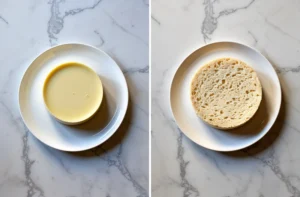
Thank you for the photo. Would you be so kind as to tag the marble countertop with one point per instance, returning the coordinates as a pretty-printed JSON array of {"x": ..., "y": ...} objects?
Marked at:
[
  {"x": 271, "y": 167},
  {"x": 120, "y": 166}
]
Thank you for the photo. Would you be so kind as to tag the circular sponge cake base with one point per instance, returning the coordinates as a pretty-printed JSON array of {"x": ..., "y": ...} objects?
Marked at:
[{"x": 226, "y": 93}]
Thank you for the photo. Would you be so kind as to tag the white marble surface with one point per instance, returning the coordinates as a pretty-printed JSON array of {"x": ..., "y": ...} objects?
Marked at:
[
  {"x": 29, "y": 168},
  {"x": 270, "y": 168}
]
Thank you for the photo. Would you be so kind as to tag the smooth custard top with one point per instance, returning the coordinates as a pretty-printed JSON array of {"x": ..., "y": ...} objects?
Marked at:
[{"x": 72, "y": 92}]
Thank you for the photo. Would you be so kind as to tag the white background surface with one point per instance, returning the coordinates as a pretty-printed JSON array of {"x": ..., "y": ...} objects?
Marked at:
[
  {"x": 119, "y": 167},
  {"x": 181, "y": 167}
]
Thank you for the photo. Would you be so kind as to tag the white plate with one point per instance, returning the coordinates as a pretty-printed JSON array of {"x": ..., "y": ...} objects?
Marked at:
[
  {"x": 87, "y": 135},
  {"x": 194, "y": 128}
]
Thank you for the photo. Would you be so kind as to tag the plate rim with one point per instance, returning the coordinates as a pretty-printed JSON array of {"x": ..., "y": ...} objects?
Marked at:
[
  {"x": 228, "y": 42},
  {"x": 106, "y": 136}
]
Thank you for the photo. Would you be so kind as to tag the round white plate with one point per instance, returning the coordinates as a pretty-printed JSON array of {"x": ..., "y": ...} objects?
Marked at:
[
  {"x": 87, "y": 135},
  {"x": 194, "y": 128}
]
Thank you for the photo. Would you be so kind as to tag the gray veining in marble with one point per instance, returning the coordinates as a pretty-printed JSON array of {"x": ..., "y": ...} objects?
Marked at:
[
  {"x": 137, "y": 70},
  {"x": 155, "y": 19},
  {"x": 210, "y": 22},
  {"x": 33, "y": 188},
  {"x": 125, "y": 30},
  {"x": 254, "y": 37},
  {"x": 3, "y": 20},
  {"x": 277, "y": 28},
  {"x": 117, "y": 162},
  {"x": 188, "y": 188},
  {"x": 289, "y": 69},
  {"x": 119, "y": 167},
  {"x": 56, "y": 21},
  {"x": 102, "y": 41}
]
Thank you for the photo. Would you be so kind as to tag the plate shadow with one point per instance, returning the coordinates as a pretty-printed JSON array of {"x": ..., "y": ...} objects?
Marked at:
[{"x": 255, "y": 124}]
